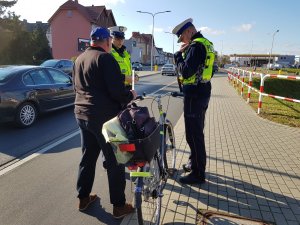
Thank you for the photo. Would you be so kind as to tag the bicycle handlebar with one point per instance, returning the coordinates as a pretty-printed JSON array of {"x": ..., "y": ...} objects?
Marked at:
[{"x": 173, "y": 94}]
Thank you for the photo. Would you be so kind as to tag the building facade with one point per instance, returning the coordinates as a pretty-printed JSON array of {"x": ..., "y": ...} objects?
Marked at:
[
  {"x": 143, "y": 43},
  {"x": 70, "y": 27},
  {"x": 262, "y": 59}
]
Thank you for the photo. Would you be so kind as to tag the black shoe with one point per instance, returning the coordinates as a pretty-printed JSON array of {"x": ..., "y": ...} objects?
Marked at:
[
  {"x": 187, "y": 167},
  {"x": 192, "y": 179},
  {"x": 104, "y": 165}
]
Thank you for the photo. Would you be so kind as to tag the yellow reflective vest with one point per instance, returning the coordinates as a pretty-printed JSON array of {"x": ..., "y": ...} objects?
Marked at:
[
  {"x": 207, "y": 69},
  {"x": 124, "y": 62}
]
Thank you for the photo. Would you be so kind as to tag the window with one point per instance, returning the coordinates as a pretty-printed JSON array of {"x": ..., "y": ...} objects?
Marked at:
[
  {"x": 83, "y": 44},
  {"x": 40, "y": 77},
  {"x": 69, "y": 13},
  {"x": 28, "y": 80},
  {"x": 59, "y": 77},
  {"x": 134, "y": 44},
  {"x": 69, "y": 63}
]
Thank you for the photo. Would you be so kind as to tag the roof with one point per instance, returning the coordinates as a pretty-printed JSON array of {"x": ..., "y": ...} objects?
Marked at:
[
  {"x": 253, "y": 55},
  {"x": 145, "y": 37},
  {"x": 91, "y": 13}
]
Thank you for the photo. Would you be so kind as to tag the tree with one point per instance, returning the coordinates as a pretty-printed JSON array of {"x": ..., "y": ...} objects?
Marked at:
[
  {"x": 41, "y": 49},
  {"x": 19, "y": 46},
  {"x": 6, "y": 4},
  {"x": 224, "y": 59}
]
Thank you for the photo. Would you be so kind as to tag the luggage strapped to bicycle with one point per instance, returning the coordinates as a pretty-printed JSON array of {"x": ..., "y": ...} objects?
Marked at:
[{"x": 133, "y": 135}]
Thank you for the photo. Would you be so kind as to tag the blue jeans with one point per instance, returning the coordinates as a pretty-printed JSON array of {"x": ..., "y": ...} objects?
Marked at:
[{"x": 92, "y": 142}]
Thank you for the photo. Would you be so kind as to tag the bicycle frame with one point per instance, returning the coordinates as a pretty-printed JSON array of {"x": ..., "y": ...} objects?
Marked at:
[{"x": 152, "y": 177}]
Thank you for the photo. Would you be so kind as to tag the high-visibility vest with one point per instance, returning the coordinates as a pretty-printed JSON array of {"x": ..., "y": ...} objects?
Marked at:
[
  {"x": 124, "y": 63},
  {"x": 207, "y": 69}
]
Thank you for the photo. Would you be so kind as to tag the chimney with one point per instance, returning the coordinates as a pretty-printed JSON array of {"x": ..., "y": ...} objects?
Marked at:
[{"x": 76, "y": 1}]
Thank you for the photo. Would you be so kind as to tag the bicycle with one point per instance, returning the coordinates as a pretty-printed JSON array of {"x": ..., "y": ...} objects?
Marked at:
[{"x": 150, "y": 178}]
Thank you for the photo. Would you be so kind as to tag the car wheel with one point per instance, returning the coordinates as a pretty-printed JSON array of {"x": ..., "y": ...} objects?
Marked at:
[{"x": 26, "y": 115}]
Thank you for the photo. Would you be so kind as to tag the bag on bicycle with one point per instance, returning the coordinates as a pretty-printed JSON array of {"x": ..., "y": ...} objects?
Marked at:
[{"x": 136, "y": 122}]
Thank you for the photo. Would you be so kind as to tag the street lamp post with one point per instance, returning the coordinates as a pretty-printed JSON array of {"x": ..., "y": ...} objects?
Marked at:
[
  {"x": 153, "y": 15},
  {"x": 272, "y": 48},
  {"x": 173, "y": 39}
]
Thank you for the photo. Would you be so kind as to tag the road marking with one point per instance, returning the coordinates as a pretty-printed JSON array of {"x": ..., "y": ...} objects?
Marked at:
[
  {"x": 43, "y": 150},
  {"x": 163, "y": 87},
  {"x": 49, "y": 147}
]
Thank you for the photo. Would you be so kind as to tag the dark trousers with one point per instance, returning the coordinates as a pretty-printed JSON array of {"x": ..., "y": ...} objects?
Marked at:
[
  {"x": 93, "y": 142},
  {"x": 194, "y": 117}
]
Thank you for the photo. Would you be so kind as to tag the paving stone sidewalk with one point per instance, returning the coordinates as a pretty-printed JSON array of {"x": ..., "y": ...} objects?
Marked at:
[{"x": 253, "y": 166}]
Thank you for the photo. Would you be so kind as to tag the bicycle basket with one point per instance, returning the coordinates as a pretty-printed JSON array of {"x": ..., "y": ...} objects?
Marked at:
[{"x": 143, "y": 149}]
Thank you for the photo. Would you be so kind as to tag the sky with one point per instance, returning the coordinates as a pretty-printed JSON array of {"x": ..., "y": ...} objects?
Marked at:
[{"x": 234, "y": 26}]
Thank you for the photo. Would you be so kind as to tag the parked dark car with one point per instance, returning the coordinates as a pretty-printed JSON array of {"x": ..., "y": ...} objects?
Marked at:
[
  {"x": 215, "y": 68},
  {"x": 27, "y": 91},
  {"x": 64, "y": 65},
  {"x": 137, "y": 66}
]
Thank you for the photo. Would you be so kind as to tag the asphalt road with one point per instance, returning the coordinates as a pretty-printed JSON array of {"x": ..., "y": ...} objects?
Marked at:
[{"x": 42, "y": 190}]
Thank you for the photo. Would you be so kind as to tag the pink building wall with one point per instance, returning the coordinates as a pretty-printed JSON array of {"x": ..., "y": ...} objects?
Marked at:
[{"x": 66, "y": 27}]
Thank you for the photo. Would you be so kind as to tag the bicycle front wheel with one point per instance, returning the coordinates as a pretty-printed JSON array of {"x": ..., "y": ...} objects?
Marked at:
[
  {"x": 170, "y": 148},
  {"x": 148, "y": 195}
]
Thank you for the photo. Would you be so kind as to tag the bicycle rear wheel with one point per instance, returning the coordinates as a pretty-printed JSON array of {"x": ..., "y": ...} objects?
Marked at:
[
  {"x": 148, "y": 195},
  {"x": 170, "y": 148}
]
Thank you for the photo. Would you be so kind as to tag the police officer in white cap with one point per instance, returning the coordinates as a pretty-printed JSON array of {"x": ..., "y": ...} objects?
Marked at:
[
  {"x": 194, "y": 62},
  {"x": 120, "y": 53}
]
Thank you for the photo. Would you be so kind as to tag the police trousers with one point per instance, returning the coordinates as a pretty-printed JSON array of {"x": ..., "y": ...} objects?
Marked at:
[
  {"x": 194, "y": 117},
  {"x": 92, "y": 142}
]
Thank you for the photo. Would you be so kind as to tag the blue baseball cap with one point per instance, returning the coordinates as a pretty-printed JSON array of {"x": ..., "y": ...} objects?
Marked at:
[{"x": 99, "y": 33}]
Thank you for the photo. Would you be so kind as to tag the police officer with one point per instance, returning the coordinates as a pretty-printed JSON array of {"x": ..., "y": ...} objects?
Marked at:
[
  {"x": 120, "y": 53},
  {"x": 194, "y": 61}
]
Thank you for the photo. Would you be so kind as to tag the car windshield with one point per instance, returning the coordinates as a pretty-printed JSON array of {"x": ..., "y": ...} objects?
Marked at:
[
  {"x": 6, "y": 74},
  {"x": 168, "y": 65},
  {"x": 49, "y": 63},
  {"x": 136, "y": 64}
]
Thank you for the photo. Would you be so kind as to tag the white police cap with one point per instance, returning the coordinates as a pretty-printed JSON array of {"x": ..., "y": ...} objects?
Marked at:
[
  {"x": 178, "y": 30},
  {"x": 117, "y": 29}
]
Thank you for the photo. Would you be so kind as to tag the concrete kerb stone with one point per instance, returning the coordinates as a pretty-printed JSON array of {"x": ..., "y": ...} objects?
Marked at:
[{"x": 147, "y": 73}]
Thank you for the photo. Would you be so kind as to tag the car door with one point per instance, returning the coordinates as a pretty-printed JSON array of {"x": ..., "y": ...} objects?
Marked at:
[
  {"x": 41, "y": 89},
  {"x": 65, "y": 94}
]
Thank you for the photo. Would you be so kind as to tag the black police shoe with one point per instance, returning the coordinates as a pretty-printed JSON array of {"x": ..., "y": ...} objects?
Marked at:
[
  {"x": 187, "y": 167},
  {"x": 192, "y": 179},
  {"x": 104, "y": 165}
]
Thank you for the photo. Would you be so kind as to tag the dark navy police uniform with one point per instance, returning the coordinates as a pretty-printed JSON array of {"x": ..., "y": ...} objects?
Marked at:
[{"x": 196, "y": 99}]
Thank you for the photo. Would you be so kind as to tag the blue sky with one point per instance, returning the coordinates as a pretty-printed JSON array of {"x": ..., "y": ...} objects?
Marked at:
[{"x": 234, "y": 26}]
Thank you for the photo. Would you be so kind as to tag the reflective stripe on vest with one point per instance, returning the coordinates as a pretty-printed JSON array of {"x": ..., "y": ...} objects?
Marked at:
[
  {"x": 208, "y": 65},
  {"x": 124, "y": 63}
]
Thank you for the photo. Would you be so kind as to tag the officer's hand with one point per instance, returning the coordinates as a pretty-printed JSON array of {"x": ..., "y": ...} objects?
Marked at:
[
  {"x": 136, "y": 77},
  {"x": 134, "y": 94},
  {"x": 128, "y": 79},
  {"x": 183, "y": 47}
]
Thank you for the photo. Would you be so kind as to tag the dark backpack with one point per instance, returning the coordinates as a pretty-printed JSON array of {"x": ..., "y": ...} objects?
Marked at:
[{"x": 136, "y": 122}]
